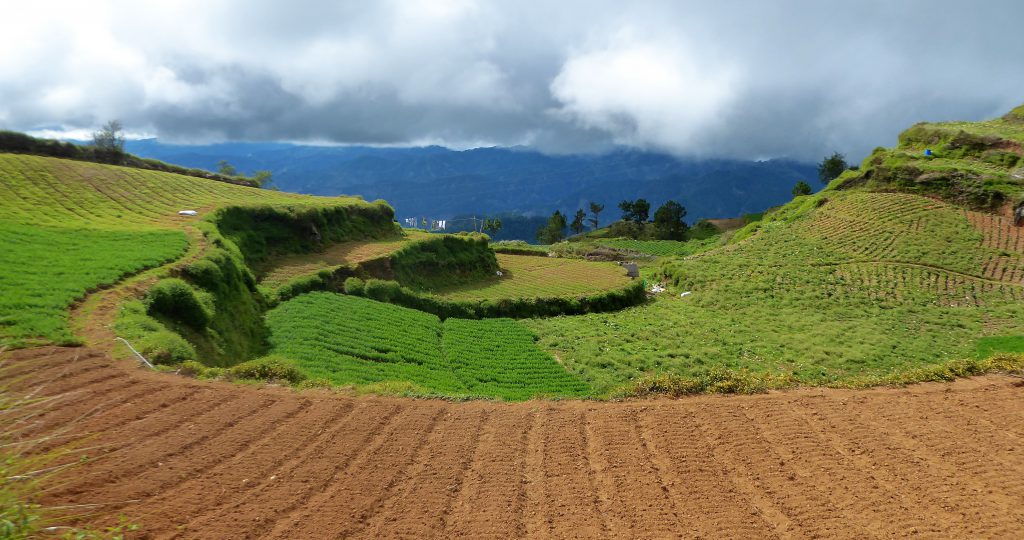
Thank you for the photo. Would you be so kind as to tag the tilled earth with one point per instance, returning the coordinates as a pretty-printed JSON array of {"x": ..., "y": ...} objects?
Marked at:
[{"x": 189, "y": 459}]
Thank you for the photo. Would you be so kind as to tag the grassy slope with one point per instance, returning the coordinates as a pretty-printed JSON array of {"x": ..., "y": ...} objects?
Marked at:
[
  {"x": 975, "y": 164},
  {"x": 283, "y": 269},
  {"x": 661, "y": 248},
  {"x": 350, "y": 340},
  {"x": 866, "y": 284},
  {"x": 71, "y": 226}
]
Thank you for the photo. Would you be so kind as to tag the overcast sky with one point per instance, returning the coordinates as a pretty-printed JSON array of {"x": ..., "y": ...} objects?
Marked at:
[{"x": 752, "y": 79}]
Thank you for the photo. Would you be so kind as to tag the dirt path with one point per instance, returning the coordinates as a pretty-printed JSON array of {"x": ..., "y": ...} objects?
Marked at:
[
  {"x": 92, "y": 318},
  {"x": 188, "y": 459}
]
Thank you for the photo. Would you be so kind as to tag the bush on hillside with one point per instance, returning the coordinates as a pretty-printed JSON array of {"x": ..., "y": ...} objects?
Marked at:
[
  {"x": 354, "y": 286},
  {"x": 151, "y": 338},
  {"x": 381, "y": 290},
  {"x": 319, "y": 281},
  {"x": 177, "y": 300},
  {"x": 191, "y": 368}
]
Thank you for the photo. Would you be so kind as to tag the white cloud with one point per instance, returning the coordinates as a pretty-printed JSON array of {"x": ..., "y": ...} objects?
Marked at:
[
  {"x": 791, "y": 77},
  {"x": 645, "y": 92}
]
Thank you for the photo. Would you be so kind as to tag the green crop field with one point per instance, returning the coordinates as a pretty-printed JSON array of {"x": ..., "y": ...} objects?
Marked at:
[
  {"x": 70, "y": 226},
  {"x": 42, "y": 269},
  {"x": 528, "y": 276},
  {"x": 49, "y": 191},
  {"x": 866, "y": 284},
  {"x": 350, "y": 340}
]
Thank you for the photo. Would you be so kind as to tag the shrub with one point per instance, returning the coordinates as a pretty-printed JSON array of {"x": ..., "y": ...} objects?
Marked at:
[
  {"x": 268, "y": 368},
  {"x": 381, "y": 290},
  {"x": 316, "y": 282},
  {"x": 192, "y": 368},
  {"x": 354, "y": 286},
  {"x": 165, "y": 347},
  {"x": 205, "y": 273},
  {"x": 176, "y": 299}
]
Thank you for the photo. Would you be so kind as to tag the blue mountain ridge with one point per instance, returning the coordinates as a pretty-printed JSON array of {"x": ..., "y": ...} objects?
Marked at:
[{"x": 441, "y": 183}]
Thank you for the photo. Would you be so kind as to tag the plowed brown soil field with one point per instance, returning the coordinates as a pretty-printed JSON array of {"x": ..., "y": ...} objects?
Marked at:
[{"x": 189, "y": 459}]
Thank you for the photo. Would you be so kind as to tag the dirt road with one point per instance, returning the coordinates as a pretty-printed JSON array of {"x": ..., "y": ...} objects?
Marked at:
[{"x": 188, "y": 459}]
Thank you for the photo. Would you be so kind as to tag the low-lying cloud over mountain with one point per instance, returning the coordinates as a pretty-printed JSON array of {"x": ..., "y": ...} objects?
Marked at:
[{"x": 739, "y": 79}]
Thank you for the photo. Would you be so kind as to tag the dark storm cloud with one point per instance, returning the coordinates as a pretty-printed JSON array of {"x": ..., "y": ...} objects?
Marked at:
[{"x": 756, "y": 79}]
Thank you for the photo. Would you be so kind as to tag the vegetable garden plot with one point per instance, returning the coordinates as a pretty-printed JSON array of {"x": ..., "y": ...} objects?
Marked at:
[
  {"x": 49, "y": 191},
  {"x": 860, "y": 227},
  {"x": 499, "y": 357},
  {"x": 44, "y": 269},
  {"x": 352, "y": 340}
]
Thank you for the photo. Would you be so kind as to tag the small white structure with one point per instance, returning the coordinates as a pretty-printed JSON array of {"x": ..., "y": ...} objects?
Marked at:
[
  {"x": 187, "y": 213},
  {"x": 685, "y": 294}
]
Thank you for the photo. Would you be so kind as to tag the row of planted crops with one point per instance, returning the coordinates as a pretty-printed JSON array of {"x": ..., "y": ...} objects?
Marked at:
[{"x": 346, "y": 340}]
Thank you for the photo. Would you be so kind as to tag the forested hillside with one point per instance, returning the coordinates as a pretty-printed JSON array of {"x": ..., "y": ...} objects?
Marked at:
[{"x": 439, "y": 183}]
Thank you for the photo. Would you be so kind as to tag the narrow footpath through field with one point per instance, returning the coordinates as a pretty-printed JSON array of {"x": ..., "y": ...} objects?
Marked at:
[{"x": 189, "y": 459}]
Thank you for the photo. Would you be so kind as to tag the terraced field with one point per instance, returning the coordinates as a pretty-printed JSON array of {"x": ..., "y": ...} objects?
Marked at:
[
  {"x": 867, "y": 284},
  {"x": 187, "y": 459},
  {"x": 70, "y": 227},
  {"x": 43, "y": 269},
  {"x": 1006, "y": 261},
  {"x": 48, "y": 191},
  {"x": 283, "y": 269},
  {"x": 527, "y": 276},
  {"x": 347, "y": 340}
]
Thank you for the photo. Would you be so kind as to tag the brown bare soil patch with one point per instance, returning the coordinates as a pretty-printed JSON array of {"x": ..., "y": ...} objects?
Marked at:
[
  {"x": 188, "y": 459},
  {"x": 728, "y": 224}
]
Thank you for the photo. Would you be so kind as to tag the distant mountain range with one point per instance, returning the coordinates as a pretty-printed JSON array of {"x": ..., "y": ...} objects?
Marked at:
[{"x": 440, "y": 183}]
